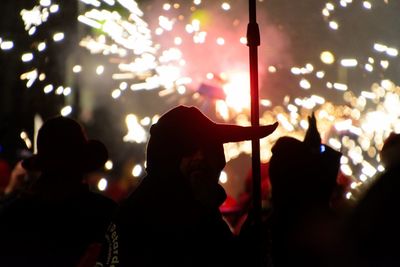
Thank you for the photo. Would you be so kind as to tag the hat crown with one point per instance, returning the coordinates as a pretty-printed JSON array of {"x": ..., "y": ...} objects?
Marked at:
[{"x": 60, "y": 135}]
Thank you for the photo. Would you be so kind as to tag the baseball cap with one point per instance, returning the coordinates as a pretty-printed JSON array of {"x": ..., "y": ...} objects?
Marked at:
[{"x": 182, "y": 129}]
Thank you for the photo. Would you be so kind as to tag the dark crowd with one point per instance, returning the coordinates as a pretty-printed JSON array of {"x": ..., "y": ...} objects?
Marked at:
[{"x": 177, "y": 215}]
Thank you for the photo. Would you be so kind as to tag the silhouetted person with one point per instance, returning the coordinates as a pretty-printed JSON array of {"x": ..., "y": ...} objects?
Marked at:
[
  {"x": 303, "y": 176},
  {"x": 375, "y": 223},
  {"x": 173, "y": 217},
  {"x": 58, "y": 218}
]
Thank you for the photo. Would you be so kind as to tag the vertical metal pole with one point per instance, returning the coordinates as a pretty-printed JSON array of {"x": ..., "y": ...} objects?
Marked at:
[{"x": 253, "y": 41}]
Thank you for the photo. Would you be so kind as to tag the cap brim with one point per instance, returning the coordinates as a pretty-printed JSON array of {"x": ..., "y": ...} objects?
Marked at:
[{"x": 233, "y": 133}]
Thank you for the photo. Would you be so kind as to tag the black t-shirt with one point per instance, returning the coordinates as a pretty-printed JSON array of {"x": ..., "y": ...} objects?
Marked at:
[
  {"x": 38, "y": 232},
  {"x": 159, "y": 225}
]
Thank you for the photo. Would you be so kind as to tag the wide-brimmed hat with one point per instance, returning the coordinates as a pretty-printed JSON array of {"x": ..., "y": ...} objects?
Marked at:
[
  {"x": 62, "y": 145},
  {"x": 185, "y": 128}
]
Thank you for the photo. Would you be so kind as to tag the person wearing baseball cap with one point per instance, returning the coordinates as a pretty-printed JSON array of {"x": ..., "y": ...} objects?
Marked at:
[{"x": 173, "y": 217}]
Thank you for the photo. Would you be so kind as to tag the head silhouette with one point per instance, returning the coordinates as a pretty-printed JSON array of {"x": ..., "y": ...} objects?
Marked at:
[
  {"x": 62, "y": 146},
  {"x": 183, "y": 130},
  {"x": 301, "y": 174}
]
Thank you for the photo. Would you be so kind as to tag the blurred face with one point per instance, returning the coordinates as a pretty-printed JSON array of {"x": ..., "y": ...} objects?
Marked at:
[{"x": 202, "y": 169}]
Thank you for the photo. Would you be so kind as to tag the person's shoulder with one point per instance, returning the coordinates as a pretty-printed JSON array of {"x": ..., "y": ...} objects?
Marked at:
[
  {"x": 387, "y": 181},
  {"x": 99, "y": 198},
  {"x": 100, "y": 202},
  {"x": 149, "y": 190},
  {"x": 17, "y": 202},
  {"x": 141, "y": 203},
  {"x": 128, "y": 208}
]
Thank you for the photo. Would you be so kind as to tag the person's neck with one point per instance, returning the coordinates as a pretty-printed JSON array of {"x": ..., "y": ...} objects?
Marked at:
[{"x": 58, "y": 186}]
